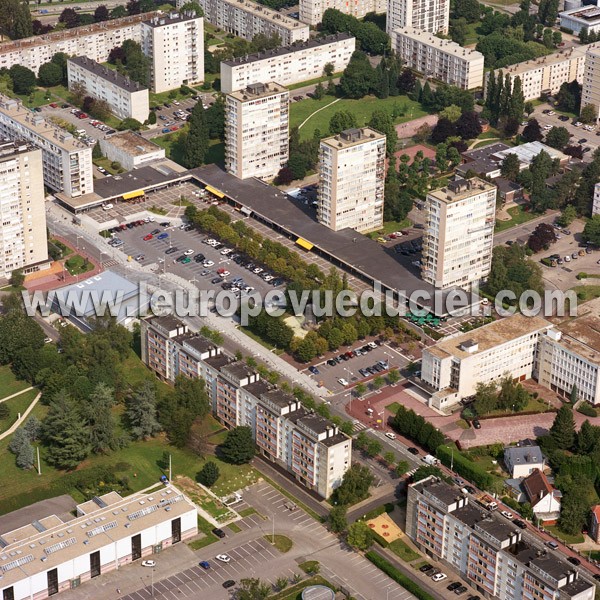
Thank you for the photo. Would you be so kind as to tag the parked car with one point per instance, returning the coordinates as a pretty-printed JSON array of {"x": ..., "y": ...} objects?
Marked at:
[
  {"x": 451, "y": 587},
  {"x": 224, "y": 558},
  {"x": 204, "y": 564},
  {"x": 162, "y": 236},
  {"x": 413, "y": 451},
  {"x": 148, "y": 563},
  {"x": 342, "y": 381},
  {"x": 313, "y": 370},
  {"x": 228, "y": 584},
  {"x": 439, "y": 577},
  {"x": 172, "y": 250},
  {"x": 574, "y": 560},
  {"x": 425, "y": 568},
  {"x": 219, "y": 532},
  {"x": 476, "y": 424},
  {"x": 148, "y": 237}
]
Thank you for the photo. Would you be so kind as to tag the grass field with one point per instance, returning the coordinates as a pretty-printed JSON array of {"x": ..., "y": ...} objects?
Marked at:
[
  {"x": 587, "y": 292},
  {"x": 569, "y": 539},
  {"x": 390, "y": 227},
  {"x": 209, "y": 538},
  {"x": 17, "y": 405},
  {"x": 39, "y": 97},
  {"x": 295, "y": 592},
  {"x": 362, "y": 109},
  {"x": 518, "y": 217},
  {"x": 9, "y": 385},
  {"x": 281, "y": 542},
  {"x": 393, "y": 407},
  {"x": 76, "y": 265},
  {"x": 401, "y": 549}
]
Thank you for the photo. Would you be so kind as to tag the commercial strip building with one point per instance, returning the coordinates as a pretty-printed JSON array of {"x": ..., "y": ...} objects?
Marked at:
[
  {"x": 545, "y": 75},
  {"x": 311, "y": 11},
  {"x": 246, "y": 19},
  {"x": 93, "y": 41},
  {"x": 125, "y": 98},
  {"x": 67, "y": 162},
  {"x": 23, "y": 239},
  {"x": 130, "y": 149},
  {"x": 579, "y": 18},
  {"x": 288, "y": 65},
  {"x": 430, "y": 16},
  {"x": 488, "y": 551},
  {"x": 307, "y": 445},
  {"x": 174, "y": 43},
  {"x": 352, "y": 180},
  {"x": 439, "y": 59},
  {"x": 257, "y": 131},
  {"x": 459, "y": 233},
  {"x": 50, "y": 555}
]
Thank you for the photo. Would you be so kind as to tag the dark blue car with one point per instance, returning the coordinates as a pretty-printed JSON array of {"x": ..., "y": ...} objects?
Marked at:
[
  {"x": 204, "y": 564},
  {"x": 164, "y": 235},
  {"x": 313, "y": 370}
]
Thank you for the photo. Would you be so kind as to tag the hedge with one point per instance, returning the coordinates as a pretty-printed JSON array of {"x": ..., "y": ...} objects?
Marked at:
[
  {"x": 585, "y": 409},
  {"x": 379, "y": 539},
  {"x": 397, "y": 575},
  {"x": 388, "y": 507},
  {"x": 465, "y": 467}
]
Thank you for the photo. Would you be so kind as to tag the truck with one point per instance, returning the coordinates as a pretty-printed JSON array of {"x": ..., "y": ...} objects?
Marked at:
[
  {"x": 431, "y": 460},
  {"x": 487, "y": 502}
]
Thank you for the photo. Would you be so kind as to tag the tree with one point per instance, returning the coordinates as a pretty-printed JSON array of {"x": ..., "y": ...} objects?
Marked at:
[
  {"x": 98, "y": 417},
  {"x": 357, "y": 79},
  {"x": 141, "y": 412},
  {"x": 215, "y": 119},
  {"x": 50, "y": 74},
  {"x": 383, "y": 122},
  {"x": 389, "y": 457},
  {"x": 192, "y": 7},
  {"x": 574, "y": 511},
  {"x": 319, "y": 91},
  {"x": 252, "y": 589},
  {"x": 281, "y": 583},
  {"x": 533, "y": 131},
  {"x": 568, "y": 215},
  {"x": 468, "y": 126},
  {"x": 588, "y": 114},
  {"x": 569, "y": 96},
  {"x": 459, "y": 31},
  {"x": 562, "y": 431},
  {"x": 393, "y": 376},
  {"x": 101, "y": 14},
  {"x": 541, "y": 237},
  {"x": 23, "y": 79},
  {"x": 373, "y": 447},
  {"x": 65, "y": 434},
  {"x": 360, "y": 388},
  {"x": 18, "y": 440},
  {"x": 359, "y": 535},
  {"x": 558, "y": 137},
  {"x": 355, "y": 485},
  {"x": 33, "y": 428},
  {"x": 342, "y": 120},
  {"x": 337, "y": 519},
  {"x": 130, "y": 123},
  {"x": 196, "y": 141},
  {"x": 69, "y": 17},
  {"x": 406, "y": 81},
  {"x": 402, "y": 467},
  {"x": 284, "y": 177},
  {"x": 452, "y": 113},
  {"x": 238, "y": 447},
  {"x": 591, "y": 231},
  {"x": 510, "y": 167},
  {"x": 209, "y": 474},
  {"x": 17, "y": 277},
  {"x": 25, "y": 456}
]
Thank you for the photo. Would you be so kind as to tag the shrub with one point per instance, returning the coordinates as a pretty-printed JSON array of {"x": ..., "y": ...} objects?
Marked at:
[{"x": 585, "y": 409}]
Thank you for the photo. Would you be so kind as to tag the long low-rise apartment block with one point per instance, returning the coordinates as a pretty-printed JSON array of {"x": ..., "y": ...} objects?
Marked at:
[
  {"x": 488, "y": 550},
  {"x": 125, "y": 98},
  {"x": 50, "y": 555},
  {"x": 546, "y": 74},
  {"x": 441, "y": 59},
  {"x": 296, "y": 438},
  {"x": 67, "y": 162},
  {"x": 246, "y": 19},
  {"x": 288, "y": 65},
  {"x": 94, "y": 41},
  {"x": 311, "y": 11},
  {"x": 559, "y": 356}
]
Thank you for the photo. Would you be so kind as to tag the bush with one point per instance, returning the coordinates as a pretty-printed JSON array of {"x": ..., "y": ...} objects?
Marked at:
[
  {"x": 585, "y": 409},
  {"x": 465, "y": 467}
]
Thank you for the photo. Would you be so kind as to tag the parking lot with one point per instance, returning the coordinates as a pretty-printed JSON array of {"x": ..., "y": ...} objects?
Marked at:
[{"x": 162, "y": 255}]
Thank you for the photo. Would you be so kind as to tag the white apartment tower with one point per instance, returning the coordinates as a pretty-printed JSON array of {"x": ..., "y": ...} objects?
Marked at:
[
  {"x": 459, "y": 232},
  {"x": 175, "y": 45},
  {"x": 352, "y": 179},
  {"x": 311, "y": 11},
  {"x": 590, "y": 94},
  {"x": 257, "y": 131},
  {"x": 596, "y": 200},
  {"x": 432, "y": 16},
  {"x": 23, "y": 241}
]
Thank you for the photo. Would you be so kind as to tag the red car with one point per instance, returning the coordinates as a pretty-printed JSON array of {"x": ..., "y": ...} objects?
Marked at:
[
  {"x": 148, "y": 237},
  {"x": 53, "y": 105},
  {"x": 123, "y": 227},
  {"x": 174, "y": 128},
  {"x": 82, "y": 116}
]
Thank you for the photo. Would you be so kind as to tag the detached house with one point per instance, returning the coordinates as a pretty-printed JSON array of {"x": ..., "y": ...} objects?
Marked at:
[{"x": 544, "y": 499}]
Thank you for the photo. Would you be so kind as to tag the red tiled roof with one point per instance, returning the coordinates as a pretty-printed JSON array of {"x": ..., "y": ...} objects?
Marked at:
[
  {"x": 537, "y": 486},
  {"x": 596, "y": 511}
]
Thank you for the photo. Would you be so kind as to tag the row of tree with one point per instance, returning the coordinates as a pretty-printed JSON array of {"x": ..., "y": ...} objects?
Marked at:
[
  {"x": 504, "y": 102},
  {"x": 506, "y": 395},
  {"x": 370, "y": 38}
]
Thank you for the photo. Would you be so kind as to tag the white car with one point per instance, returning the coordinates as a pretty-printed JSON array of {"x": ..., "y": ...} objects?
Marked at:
[
  {"x": 223, "y": 558},
  {"x": 258, "y": 270},
  {"x": 551, "y": 113},
  {"x": 507, "y": 514},
  {"x": 390, "y": 435},
  {"x": 226, "y": 251},
  {"x": 188, "y": 252},
  {"x": 148, "y": 563},
  {"x": 208, "y": 263},
  {"x": 439, "y": 577},
  {"x": 342, "y": 381},
  {"x": 107, "y": 207},
  {"x": 578, "y": 124}
]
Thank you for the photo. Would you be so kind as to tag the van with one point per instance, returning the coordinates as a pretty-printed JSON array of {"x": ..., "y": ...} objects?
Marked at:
[
  {"x": 81, "y": 132},
  {"x": 552, "y": 545}
]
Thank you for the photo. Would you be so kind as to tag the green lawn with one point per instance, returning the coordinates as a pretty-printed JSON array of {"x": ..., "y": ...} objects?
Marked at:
[
  {"x": 220, "y": 513},
  {"x": 472, "y": 35},
  {"x": 294, "y": 592},
  {"x": 38, "y": 96},
  {"x": 76, "y": 265},
  {"x": 569, "y": 539},
  {"x": 362, "y": 109},
  {"x": 393, "y": 407},
  {"x": 281, "y": 542},
  {"x": 8, "y": 383},
  {"x": 209, "y": 538},
  {"x": 234, "y": 527},
  {"x": 174, "y": 149},
  {"x": 518, "y": 217},
  {"x": 534, "y": 405},
  {"x": 587, "y": 292},
  {"x": 401, "y": 549},
  {"x": 321, "y": 79},
  {"x": 107, "y": 164},
  {"x": 247, "y": 512},
  {"x": 390, "y": 227},
  {"x": 17, "y": 405},
  {"x": 167, "y": 97},
  {"x": 232, "y": 477}
]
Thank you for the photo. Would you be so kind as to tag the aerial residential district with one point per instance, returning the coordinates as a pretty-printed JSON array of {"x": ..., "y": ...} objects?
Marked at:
[{"x": 300, "y": 301}]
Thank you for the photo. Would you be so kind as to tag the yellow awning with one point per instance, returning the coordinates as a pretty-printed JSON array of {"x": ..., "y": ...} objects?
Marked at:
[
  {"x": 304, "y": 244},
  {"x": 214, "y": 191},
  {"x": 131, "y": 195}
]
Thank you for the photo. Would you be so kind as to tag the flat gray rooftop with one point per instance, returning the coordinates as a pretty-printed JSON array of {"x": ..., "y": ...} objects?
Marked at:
[{"x": 61, "y": 506}]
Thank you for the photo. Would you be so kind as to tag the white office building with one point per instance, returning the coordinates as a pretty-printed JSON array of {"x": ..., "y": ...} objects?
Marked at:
[
  {"x": 94, "y": 41},
  {"x": 453, "y": 367},
  {"x": 130, "y": 149},
  {"x": 430, "y": 16},
  {"x": 311, "y": 11},
  {"x": 50, "y": 555},
  {"x": 174, "y": 43},
  {"x": 23, "y": 240},
  {"x": 246, "y": 19},
  {"x": 545, "y": 75},
  {"x": 125, "y": 98},
  {"x": 67, "y": 162},
  {"x": 440, "y": 59},
  {"x": 257, "y": 131},
  {"x": 459, "y": 233},
  {"x": 583, "y": 17},
  {"x": 352, "y": 180},
  {"x": 288, "y": 65}
]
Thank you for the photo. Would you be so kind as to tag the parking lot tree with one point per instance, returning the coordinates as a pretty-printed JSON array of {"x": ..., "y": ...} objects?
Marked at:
[
  {"x": 591, "y": 231},
  {"x": 393, "y": 376},
  {"x": 541, "y": 237},
  {"x": 360, "y": 389},
  {"x": 562, "y": 431},
  {"x": 568, "y": 215},
  {"x": 373, "y": 447},
  {"x": 209, "y": 474},
  {"x": 141, "y": 412},
  {"x": 588, "y": 114},
  {"x": 569, "y": 96},
  {"x": 129, "y": 123},
  {"x": 390, "y": 458},
  {"x": 64, "y": 433},
  {"x": 378, "y": 382},
  {"x": 252, "y": 589},
  {"x": 533, "y": 131},
  {"x": 402, "y": 467},
  {"x": 337, "y": 519},
  {"x": 151, "y": 118},
  {"x": 510, "y": 167},
  {"x": 23, "y": 79},
  {"x": 238, "y": 447},
  {"x": 359, "y": 536},
  {"x": 558, "y": 137}
]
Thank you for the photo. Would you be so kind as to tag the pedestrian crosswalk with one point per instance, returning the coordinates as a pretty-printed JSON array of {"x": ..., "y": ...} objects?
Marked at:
[
  {"x": 107, "y": 264},
  {"x": 358, "y": 426}
]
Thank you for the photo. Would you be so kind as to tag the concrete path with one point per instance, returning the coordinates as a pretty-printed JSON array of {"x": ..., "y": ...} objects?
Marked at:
[
  {"x": 16, "y": 394},
  {"x": 24, "y": 416}
]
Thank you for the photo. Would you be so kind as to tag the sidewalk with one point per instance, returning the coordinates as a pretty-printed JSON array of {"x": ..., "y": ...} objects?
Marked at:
[{"x": 24, "y": 416}]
